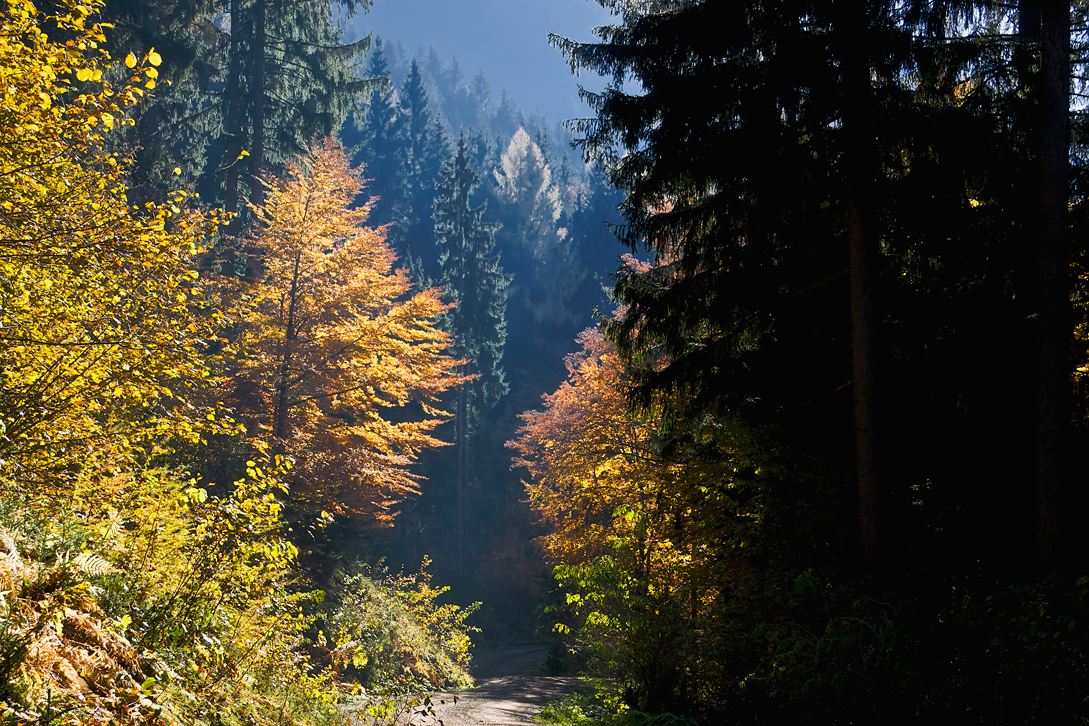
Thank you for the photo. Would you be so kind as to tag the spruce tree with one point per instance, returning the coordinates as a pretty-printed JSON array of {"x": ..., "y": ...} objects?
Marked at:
[
  {"x": 788, "y": 177},
  {"x": 480, "y": 100},
  {"x": 289, "y": 79},
  {"x": 508, "y": 117},
  {"x": 426, "y": 146},
  {"x": 382, "y": 150},
  {"x": 472, "y": 278}
]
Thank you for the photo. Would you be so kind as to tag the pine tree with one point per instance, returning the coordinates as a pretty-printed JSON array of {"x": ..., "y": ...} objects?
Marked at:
[
  {"x": 474, "y": 279},
  {"x": 290, "y": 75},
  {"x": 508, "y": 117},
  {"x": 532, "y": 210},
  {"x": 426, "y": 145},
  {"x": 804, "y": 165},
  {"x": 382, "y": 149},
  {"x": 174, "y": 128},
  {"x": 480, "y": 99}
]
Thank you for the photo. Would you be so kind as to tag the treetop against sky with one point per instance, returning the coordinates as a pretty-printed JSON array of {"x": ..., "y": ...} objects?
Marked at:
[{"x": 507, "y": 39}]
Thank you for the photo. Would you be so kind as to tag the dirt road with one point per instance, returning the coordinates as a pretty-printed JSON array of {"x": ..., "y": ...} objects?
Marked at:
[
  {"x": 505, "y": 696},
  {"x": 503, "y": 701}
]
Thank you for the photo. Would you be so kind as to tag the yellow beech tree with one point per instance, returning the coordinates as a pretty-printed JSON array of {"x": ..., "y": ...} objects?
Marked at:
[
  {"x": 336, "y": 340},
  {"x": 102, "y": 324}
]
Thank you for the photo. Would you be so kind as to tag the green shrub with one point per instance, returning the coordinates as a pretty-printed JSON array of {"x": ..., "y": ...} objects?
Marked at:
[{"x": 389, "y": 634}]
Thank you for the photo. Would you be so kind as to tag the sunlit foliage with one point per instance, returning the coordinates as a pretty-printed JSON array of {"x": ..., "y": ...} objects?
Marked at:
[
  {"x": 102, "y": 331},
  {"x": 631, "y": 530},
  {"x": 131, "y": 591},
  {"x": 335, "y": 340},
  {"x": 390, "y": 633}
]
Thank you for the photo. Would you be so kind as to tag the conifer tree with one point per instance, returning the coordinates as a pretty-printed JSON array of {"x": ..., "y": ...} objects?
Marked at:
[
  {"x": 508, "y": 117},
  {"x": 480, "y": 100},
  {"x": 382, "y": 150},
  {"x": 532, "y": 210},
  {"x": 174, "y": 128},
  {"x": 474, "y": 280},
  {"x": 291, "y": 77},
  {"x": 426, "y": 145}
]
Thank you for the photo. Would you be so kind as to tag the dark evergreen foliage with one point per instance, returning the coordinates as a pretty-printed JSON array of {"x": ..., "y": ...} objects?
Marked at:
[
  {"x": 380, "y": 147},
  {"x": 844, "y": 206},
  {"x": 474, "y": 279}
]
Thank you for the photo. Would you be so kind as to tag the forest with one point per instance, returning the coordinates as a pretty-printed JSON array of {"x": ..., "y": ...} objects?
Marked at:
[{"x": 755, "y": 394}]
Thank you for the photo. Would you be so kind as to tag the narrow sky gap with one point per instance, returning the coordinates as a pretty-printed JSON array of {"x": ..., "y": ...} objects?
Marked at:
[{"x": 508, "y": 39}]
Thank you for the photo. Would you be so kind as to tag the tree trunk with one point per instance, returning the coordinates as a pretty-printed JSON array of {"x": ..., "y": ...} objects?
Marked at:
[
  {"x": 234, "y": 119},
  {"x": 460, "y": 505},
  {"x": 1054, "y": 284},
  {"x": 257, "y": 192},
  {"x": 863, "y": 252},
  {"x": 280, "y": 423},
  {"x": 1028, "y": 20}
]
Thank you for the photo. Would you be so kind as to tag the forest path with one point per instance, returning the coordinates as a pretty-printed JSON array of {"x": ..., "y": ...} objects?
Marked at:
[
  {"x": 504, "y": 695},
  {"x": 501, "y": 701},
  {"x": 510, "y": 660}
]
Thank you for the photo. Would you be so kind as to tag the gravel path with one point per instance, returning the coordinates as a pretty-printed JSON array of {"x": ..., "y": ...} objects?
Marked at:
[
  {"x": 504, "y": 695},
  {"x": 503, "y": 701}
]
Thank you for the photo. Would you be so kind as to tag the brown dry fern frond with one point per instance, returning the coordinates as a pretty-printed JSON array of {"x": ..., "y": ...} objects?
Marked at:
[
  {"x": 82, "y": 628},
  {"x": 47, "y": 656}
]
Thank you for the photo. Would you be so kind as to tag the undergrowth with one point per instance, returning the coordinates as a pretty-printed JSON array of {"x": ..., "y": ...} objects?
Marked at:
[
  {"x": 148, "y": 600},
  {"x": 598, "y": 704}
]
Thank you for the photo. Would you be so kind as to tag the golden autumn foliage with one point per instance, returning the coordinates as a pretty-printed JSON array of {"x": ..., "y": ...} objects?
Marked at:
[
  {"x": 130, "y": 594},
  {"x": 101, "y": 323},
  {"x": 388, "y": 628},
  {"x": 588, "y": 456},
  {"x": 631, "y": 531},
  {"x": 130, "y": 591},
  {"x": 143, "y": 599},
  {"x": 335, "y": 340}
]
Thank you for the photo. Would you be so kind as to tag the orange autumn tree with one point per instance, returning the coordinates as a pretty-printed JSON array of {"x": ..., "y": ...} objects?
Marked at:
[
  {"x": 336, "y": 340},
  {"x": 588, "y": 457},
  {"x": 630, "y": 529}
]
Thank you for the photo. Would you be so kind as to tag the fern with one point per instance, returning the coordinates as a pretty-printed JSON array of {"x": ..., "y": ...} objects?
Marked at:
[
  {"x": 92, "y": 564},
  {"x": 13, "y": 651}
]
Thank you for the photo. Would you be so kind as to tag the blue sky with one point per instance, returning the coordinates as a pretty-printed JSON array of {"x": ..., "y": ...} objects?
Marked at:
[{"x": 505, "y": 38}]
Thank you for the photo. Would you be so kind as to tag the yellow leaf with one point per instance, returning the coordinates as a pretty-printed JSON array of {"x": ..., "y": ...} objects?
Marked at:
[
  {"x": 154, "y": 58},
  {"x": 83, "y": 74},
  {"x": 130, "y": 60}
]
